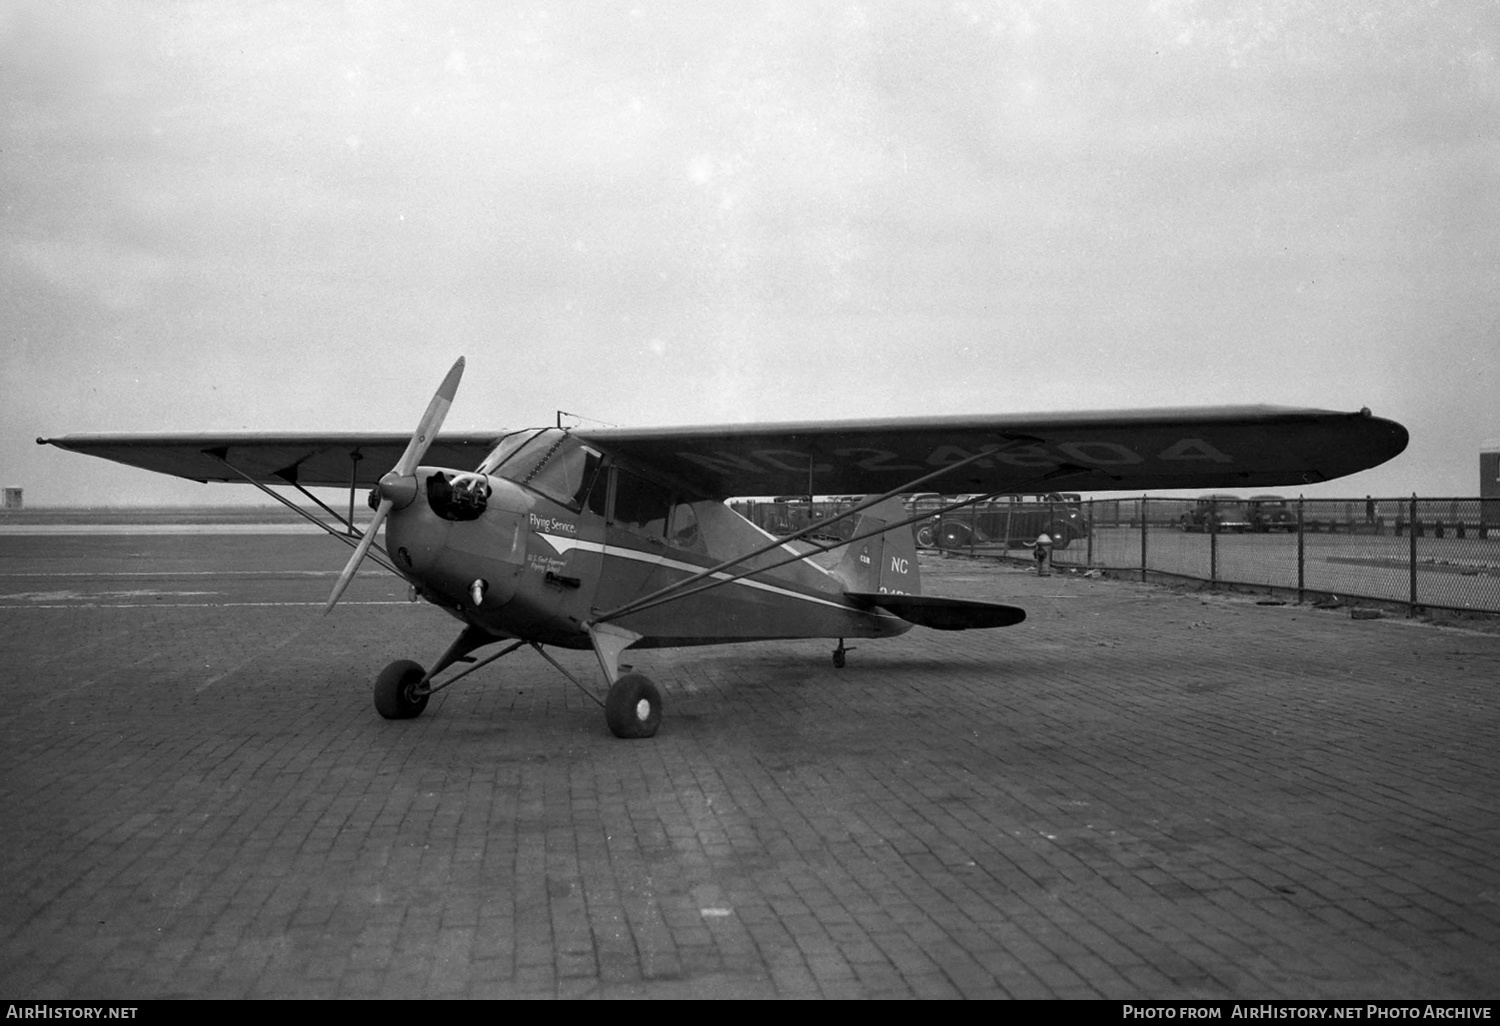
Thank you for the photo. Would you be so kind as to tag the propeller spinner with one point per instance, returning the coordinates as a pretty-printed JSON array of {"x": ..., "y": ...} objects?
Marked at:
[{"x": 399, "y": 484}]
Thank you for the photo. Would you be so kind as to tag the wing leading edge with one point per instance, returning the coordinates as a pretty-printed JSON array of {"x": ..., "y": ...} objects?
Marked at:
[
  {"x": 311, "y": 460},
  {"x": 1107, "y": 451}
]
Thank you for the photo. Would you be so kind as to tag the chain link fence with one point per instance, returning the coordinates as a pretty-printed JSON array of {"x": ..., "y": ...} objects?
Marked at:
[{"x": 1438, "y": 553}]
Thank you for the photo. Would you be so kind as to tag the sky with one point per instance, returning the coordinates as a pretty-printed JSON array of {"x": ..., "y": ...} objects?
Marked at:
[{"x": 295, "y": 216}]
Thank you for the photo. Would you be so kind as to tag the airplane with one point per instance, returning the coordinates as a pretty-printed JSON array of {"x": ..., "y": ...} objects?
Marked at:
[{"x": 621, "y": 538}]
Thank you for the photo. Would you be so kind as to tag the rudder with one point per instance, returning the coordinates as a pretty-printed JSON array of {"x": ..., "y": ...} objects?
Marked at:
[{"x": 884, "y": 563}]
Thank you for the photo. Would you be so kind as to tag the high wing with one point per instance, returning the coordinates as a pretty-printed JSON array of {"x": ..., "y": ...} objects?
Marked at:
[
  {"x": 1106, "y": 451},
  {"x": 311, "y": 460},
  {"x": 1247, "y": 446}
]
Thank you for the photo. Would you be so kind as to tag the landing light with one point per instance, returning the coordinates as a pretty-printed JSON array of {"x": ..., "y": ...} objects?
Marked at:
[{"x": 477, "y": 590}]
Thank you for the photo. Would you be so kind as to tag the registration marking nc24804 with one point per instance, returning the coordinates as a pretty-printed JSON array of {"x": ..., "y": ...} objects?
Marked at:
[{"x": 1091, "y": 453}]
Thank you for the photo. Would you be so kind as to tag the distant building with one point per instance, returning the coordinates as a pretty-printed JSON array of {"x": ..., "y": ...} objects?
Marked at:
[
  {"x": 1489, "y": 483},
  {"x": 13, "y": 498}
]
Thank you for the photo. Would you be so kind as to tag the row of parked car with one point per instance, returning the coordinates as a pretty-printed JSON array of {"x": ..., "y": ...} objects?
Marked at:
[
  {"x": 1220, "y": 513},
  {"x": 1017, "y": 519},
  {"x": 1009, "y": 519},
  {"x": 1006, "y": 519}
]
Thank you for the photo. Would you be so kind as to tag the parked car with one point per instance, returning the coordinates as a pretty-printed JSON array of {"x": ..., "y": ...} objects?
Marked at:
[
  {"x": 1007, "y": 519},
  {"x": 1271, "y": 513},
  {"x": 1217, "y": 513}
]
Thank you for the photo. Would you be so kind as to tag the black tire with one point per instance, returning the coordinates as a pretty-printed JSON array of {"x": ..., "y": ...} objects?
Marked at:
[
  {"x": 633, "y": 707},
  {"x": 926, "y": 536},
  {"x": 393, "y": 691},
  {"x": 838, "y": 659},
  {"x": 953, "y": 536}
]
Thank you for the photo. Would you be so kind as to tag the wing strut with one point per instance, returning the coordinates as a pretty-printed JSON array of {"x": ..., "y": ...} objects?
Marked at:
[
  {"x": 680, "y": 589},
  {"x": 348, "y": 525},
  {"x": 354, "y": 457},
  {"x": 350, "y": 536},
  {"x": 638, "y": 604}
]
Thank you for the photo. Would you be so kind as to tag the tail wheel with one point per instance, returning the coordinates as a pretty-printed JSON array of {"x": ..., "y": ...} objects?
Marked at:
[
  {"x": 633, "y": 706},
  {"x": 395, "y": 691},
  {"x": 953, "y": 536}
]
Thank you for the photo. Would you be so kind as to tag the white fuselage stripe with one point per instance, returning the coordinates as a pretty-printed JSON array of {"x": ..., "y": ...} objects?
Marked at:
[{"x": 564, "y": 544}]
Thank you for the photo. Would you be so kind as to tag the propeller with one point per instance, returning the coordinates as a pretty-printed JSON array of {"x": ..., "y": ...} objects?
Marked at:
[{"x": 399, "y": 483}]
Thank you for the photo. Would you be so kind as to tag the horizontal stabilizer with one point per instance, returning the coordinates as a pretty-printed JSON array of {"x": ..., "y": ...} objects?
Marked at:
[{"x": 942, "y": 614}]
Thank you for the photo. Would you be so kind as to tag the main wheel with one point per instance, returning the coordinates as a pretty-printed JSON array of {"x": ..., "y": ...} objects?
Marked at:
[
  {"x": 394, "y": 691},
  {"x": 633, "y": 706}
]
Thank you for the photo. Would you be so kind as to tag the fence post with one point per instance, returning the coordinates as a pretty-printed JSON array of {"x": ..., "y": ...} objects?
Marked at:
[
  {"x": 1213, "y": 543},
  {"x": 1089, "y": 556},
  {"x": 1143, "y": 539},
  {"x": 1301, "y": 555},
  {"x": 1411, "y": 533}
]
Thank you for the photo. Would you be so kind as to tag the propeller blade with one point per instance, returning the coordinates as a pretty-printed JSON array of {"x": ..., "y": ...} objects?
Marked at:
[
  {"x": 427, "y": 429},
  {"x": 359, "y": 555},
  {"x": 431, "y": 422}
]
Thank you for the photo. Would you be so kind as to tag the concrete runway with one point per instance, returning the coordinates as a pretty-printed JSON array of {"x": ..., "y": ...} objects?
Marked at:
[{"x": 1138, "y": 793}]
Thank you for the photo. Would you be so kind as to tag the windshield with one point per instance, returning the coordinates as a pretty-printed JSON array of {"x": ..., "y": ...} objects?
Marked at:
[
  {"x": 506, "y": 449},
  {"x": 552, "y": 462}
]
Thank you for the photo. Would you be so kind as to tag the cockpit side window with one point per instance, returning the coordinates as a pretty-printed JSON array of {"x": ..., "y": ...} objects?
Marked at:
[
  {"x": 683, "y": 530},
  {"x": 641, "y": 505},
  {"x": 598, "y": 496}
]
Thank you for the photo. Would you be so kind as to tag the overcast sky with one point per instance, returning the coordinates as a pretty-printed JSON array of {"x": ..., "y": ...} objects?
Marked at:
[{"x": 295, "y": 216}]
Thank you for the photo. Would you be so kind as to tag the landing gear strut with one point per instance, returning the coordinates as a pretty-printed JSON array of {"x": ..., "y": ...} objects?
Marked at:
[
  {"x": 838, "y": 654},
  {"x": 632, "y": 706},
  {"x": 402, "y": 689}
]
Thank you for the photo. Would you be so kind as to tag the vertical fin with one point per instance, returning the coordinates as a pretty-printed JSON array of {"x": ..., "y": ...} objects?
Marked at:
[{"x": 885, "y": 563}]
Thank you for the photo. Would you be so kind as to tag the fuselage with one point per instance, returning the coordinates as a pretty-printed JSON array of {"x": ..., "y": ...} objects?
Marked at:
[{"x": 549, "y": 535}]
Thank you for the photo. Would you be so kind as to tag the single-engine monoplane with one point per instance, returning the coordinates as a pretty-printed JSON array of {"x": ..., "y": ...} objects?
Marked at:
[{"x": 617, "y": 538}]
